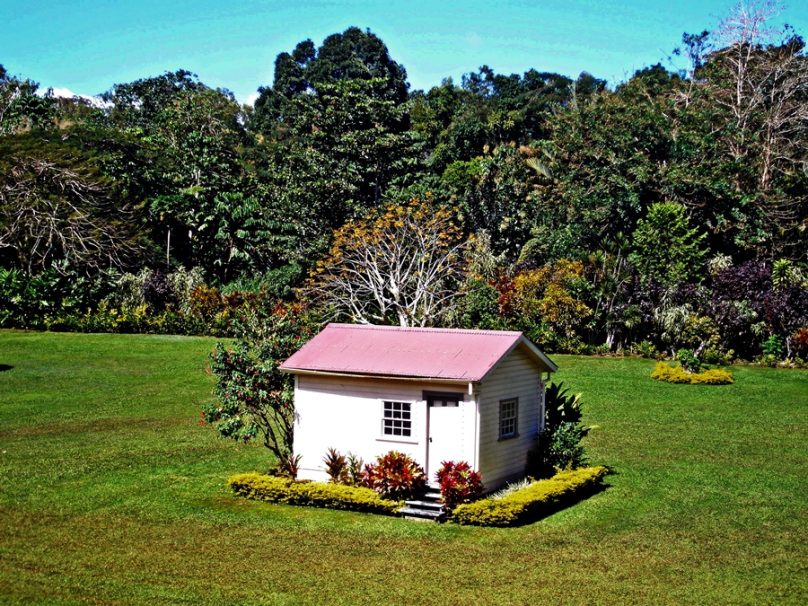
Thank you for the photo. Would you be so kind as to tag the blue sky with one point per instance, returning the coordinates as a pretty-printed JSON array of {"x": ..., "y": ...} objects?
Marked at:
[{"x": 89, "y": 45}]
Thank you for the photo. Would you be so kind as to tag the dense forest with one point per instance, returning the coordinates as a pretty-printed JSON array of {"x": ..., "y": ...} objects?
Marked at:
[{"x": 666, "y": 213}]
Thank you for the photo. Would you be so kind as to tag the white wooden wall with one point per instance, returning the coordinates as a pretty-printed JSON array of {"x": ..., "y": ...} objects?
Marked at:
[
  {"x": 516, "y": 377},
  {"x": 346, "y": 413}
]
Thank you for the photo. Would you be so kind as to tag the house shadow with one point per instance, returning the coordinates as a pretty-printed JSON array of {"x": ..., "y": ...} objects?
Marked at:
[
  {"x": 4, "y": 367},
  {"x": 560, "y": 505},
  {"x": 553, "y": 507}
]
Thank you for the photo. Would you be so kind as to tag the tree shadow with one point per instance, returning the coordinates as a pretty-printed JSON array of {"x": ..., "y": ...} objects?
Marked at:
[{"x": 4, "y": 367}]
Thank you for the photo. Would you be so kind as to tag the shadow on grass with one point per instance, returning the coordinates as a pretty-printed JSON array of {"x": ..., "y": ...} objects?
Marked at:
[
  {"x": 5, "y": 367},
  {"x": 559, "y": 505}
]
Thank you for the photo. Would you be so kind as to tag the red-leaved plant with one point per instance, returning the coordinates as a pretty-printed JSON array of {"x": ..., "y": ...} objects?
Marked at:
[
  {"x": 394, "y": 476},
  {"x": 458, "y": 483}
]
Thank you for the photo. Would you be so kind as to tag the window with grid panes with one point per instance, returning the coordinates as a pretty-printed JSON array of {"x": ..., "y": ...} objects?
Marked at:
[
  {"x": 397, "y": 420},
  {"x": 508, "y": 415}
]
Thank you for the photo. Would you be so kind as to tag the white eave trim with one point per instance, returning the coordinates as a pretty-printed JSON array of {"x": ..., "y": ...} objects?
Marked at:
[
  {"x": 551, "y": 366},
  {"x": 354, "y": 375}
]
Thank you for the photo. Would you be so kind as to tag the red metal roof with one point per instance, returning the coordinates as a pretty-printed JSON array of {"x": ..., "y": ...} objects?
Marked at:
[{"x": 434, "y": 353}]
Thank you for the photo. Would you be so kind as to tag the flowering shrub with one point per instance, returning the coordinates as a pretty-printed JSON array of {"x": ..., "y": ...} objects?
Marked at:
[
  {"x": 458, "y": 483},
  {"x": 394, "y": 476},
  {"x": 205, "y": 302}
]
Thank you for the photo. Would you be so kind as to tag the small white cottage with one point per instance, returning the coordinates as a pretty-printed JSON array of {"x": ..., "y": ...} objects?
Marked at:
[{"x": 435, "y": 394}]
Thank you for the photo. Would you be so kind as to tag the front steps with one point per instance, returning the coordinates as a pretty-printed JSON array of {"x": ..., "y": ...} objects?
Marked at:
[{"x": 426, "y": 508}]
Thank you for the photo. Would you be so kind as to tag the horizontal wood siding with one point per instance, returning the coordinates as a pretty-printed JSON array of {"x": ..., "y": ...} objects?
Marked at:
[
  {"x": 516, "y": 377},
  {"x": 346, "y": 413}
]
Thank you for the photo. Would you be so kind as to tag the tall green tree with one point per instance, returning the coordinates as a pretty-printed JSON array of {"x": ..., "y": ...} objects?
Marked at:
[
  {"x": 348, "y": 56},
  {"x": 602, "y": 165},
  {"x": 751, "y": 101},
  {"x": 346, "y": 149},
  {"x": 202, "y": 201},
  {"x": 666, "y": 248},
  {"x": 137, "y": 104},
  {"x": 21, "y": 109},
  {"x": 495, "y": 192},
  {"x": 199, "y": 133}
]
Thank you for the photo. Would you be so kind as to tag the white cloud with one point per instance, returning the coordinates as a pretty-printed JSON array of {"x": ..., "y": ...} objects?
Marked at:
[
  {"x": 59, "y": 93},
  {"x": 252, "y": 98},
  {"x": 65, "y": 93}
]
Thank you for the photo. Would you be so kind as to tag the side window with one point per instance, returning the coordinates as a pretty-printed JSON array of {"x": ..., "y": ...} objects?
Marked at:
[
  {"x": 508, "y": 417},
  {"x": 397, "y": 419}
]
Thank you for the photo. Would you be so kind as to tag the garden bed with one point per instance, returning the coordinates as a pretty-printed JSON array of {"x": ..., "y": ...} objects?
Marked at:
[{"x": 538, "y": 499}]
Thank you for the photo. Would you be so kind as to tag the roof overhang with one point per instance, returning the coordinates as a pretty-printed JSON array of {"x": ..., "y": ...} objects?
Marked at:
[
  {"x": 411, "y": 354},
  {"x": 551, "y": 366},
  {"x": 353, "y": 375},
  {"x": 545, "y": 363}
]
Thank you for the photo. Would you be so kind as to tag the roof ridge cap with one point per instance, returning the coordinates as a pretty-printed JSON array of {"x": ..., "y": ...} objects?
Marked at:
[{"x": 384, "y": 327}]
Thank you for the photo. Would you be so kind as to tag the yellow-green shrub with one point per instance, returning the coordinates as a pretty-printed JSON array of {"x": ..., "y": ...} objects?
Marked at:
[
  {"x": 676, "y": 374},
  {"x": 714, "y": 376},
  {"x": 262, "y": 487},
  {"x": 537, "y": 499}
]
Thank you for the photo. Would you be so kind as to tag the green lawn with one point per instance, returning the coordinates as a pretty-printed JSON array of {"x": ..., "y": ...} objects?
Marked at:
[{"x": 112, "y": 493}]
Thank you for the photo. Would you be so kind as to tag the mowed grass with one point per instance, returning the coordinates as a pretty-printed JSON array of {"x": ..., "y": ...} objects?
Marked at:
[{"x": 112, "y": 493}]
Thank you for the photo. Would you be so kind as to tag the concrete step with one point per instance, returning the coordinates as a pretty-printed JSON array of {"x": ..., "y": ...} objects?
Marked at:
[
  {"x": 430, "y": 495},
  {"x": 412, "y": 513},
  {"x": 426, "y": 506},
  {"x": 419, "y": 504}
]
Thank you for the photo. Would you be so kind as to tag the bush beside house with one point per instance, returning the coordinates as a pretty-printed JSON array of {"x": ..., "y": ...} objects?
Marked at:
[
  {"x": 538, "y": 499},
  {"x": 262, "y": 487}
]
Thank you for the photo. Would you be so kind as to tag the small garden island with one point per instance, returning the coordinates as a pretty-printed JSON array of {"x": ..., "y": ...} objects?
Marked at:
[
  {"x": 459, "y": 410},
  {"x": 379, "y": 277}
]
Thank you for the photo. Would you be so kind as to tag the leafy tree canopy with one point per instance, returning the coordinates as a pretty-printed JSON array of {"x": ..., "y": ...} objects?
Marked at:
[{"x": 352, "y": 55}]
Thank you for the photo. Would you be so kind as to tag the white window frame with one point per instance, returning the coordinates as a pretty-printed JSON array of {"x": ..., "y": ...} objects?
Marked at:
[
  {"x": 511, "y": 420},
  {"x": 397, "y": 415}
]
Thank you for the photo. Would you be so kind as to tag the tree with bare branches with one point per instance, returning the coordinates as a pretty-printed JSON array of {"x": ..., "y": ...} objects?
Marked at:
[
  {"x": 398, "y": 264},
  {"x": 54, "y": 207},
  {"x": 759, "y": 76}
]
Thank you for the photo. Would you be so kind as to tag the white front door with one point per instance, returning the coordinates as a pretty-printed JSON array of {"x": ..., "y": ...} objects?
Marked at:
[{"x": 445, "y": 442}]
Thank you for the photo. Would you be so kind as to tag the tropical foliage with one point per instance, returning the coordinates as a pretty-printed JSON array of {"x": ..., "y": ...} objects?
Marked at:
[
  {"x": 255, "y": 400},
  {"x": 665, "y": 213},
  {"x": 394, "y": 475},
  {"x": 459, "y": 483}
]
